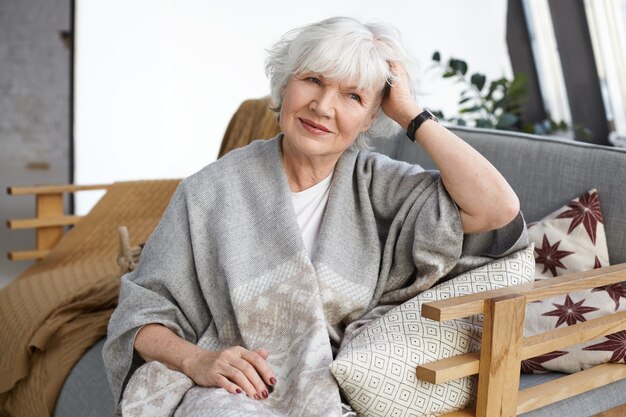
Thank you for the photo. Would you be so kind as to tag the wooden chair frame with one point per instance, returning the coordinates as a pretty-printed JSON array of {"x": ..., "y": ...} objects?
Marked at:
[
  {"x": 503, "y": 345},
  {"x": 50, "y": 221}
]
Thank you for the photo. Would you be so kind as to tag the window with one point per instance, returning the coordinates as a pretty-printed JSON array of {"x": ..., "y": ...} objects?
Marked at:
[
  {"x": 547, "y": 61},
  {"x": 607, "y": 27}
]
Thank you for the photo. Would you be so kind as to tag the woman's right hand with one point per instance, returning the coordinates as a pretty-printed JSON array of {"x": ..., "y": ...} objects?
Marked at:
[{"x": 236, "y": 369}]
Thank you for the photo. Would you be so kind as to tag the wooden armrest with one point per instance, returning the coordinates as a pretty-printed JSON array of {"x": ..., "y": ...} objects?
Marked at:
[
  {"x": 54, "y": 189},
  {"x": 27, "y": 255},
  {"x": 449, "y": 369},
  {"x": 503, "y": 345},
  {"x": 43, "y": 222},
  {"x": 468, "y": 305},
  {"x": 459, "y": 366},
  {"x": 573, "y": 335},
  {"x": 560, "y": 389},
  {"x": 566, "y": 387},
  {"x": 50, "y": 220}
]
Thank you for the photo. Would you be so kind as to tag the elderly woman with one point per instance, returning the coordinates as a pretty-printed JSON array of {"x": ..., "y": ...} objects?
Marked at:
[{"x": 264, "y": 258}]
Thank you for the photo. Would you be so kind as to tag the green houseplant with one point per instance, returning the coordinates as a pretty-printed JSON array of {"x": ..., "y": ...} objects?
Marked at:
[{"x": 496, "y": 104}]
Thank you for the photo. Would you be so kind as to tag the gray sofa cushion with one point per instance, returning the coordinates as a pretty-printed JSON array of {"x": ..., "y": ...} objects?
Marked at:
[{"x": 86, "y": 390}]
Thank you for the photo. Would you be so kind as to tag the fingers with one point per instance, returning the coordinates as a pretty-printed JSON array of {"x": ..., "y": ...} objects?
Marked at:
[
  {"x": 223, "y": 382},
  {"x": 264, "y": 353},
  {"x": 244, "y": 380},
  {"x": 399, "y": 103},
  {"x": 258, "y": 360},
  {"x": 249, "y": 371}
]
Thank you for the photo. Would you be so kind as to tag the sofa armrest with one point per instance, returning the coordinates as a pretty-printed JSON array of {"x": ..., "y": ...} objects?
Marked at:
[
  {"x": 504, "y": 347},
  {"x": 49, "y": 222},
  {"x": 468, "y": 305}
]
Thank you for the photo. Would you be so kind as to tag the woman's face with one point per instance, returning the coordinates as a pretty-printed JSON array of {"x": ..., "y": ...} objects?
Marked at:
[{"x": 322, "y": 117}]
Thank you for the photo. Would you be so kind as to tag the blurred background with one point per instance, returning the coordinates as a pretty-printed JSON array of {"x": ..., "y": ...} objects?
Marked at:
[{"x": 95, "y": 91}]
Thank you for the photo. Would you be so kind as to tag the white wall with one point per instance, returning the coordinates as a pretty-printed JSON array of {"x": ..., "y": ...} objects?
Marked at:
[{"x": 158, "y": 80}]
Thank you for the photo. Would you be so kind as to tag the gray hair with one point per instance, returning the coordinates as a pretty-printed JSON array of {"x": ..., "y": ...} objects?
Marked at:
[{"x": 342, "y": 48}]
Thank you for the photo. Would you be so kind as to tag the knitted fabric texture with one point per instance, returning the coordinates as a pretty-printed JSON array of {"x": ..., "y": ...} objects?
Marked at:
[{"x": 59, "y": 307}]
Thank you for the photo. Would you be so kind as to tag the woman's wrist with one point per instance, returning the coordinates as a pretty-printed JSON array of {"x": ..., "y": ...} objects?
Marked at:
[
  {"x": 191, "y": 358},
  {"x": 404, "y": 117}
]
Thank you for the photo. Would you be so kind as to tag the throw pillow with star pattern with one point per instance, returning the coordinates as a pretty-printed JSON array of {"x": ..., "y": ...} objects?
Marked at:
[{"x": 572, "y": 239}]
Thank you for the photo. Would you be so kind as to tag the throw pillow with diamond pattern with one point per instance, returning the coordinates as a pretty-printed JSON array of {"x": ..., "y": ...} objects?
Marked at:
[
  {"x": 376, "y": 370},
  {"x": 572, "y": 239}
]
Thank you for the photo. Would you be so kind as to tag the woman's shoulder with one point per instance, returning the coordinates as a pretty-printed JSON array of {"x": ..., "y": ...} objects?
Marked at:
[
  {"x": 238, "y": 166},
  {"x": 235, "y": 163}
]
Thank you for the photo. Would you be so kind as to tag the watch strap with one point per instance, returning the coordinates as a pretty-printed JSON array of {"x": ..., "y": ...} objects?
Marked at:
[{"x": 417, "y": 122}]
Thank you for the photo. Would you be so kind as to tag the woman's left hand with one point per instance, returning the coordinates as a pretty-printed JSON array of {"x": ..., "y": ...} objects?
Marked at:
[{"x": 399, "y": 104}]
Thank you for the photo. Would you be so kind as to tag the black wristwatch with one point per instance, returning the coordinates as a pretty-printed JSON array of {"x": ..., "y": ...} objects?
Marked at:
[{"x": 417, "y": 122}]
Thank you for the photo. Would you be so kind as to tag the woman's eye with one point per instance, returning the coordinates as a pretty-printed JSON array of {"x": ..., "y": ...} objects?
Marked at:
[
  {"x": 355, "y": 96},
  {"x": 314, "y": 80}
]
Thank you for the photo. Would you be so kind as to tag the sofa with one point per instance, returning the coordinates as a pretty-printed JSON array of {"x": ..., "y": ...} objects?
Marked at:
[{"x": 544, "y": 172}]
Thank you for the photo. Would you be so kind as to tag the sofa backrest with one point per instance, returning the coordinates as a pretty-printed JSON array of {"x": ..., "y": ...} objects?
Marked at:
[{"x": 545, "y": 173}]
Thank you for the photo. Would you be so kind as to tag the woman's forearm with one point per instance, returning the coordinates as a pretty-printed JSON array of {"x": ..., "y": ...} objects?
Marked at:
[
  {"x": 485, "y": 198},
  {"x": 155, "y": 342}
]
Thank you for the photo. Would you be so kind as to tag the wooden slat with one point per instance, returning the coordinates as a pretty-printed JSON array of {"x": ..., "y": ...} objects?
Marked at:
[
  {"x": 466, "y": 412},
  {"x": 48, "y": 206},
  {"x": 459, "y": 366},
  {"x": 43, "y": 222},
  {"x": 468, "y": 305},
  {"x": 619, "y": 411},
  {"x": 27, "y": 255},
  {"x": 445, "y": 370},
  {"x": 54, "y": 189},
  {"x": 573, "y": 335},
  {"x": 568, "y": 386},
  {"x": 498, "y": 380},
  {"x": 50, "y": 221}
]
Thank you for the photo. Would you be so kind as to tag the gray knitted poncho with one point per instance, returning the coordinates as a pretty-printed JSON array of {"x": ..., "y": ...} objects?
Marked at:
[{"x": 227, "y": 266}]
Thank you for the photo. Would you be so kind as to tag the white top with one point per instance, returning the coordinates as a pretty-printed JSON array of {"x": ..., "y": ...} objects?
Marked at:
[{"x": 309, "y": 206}]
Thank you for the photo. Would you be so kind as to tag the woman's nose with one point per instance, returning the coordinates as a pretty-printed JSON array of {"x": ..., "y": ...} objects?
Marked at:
[{"x": 324, "y": 103}]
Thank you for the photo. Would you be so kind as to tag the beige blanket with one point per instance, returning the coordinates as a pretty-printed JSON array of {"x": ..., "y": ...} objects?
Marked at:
[{"x": 59, "y": 307}]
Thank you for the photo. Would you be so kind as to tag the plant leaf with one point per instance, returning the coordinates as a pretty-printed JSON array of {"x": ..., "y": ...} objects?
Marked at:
[
  {"x": 507, "y": 120},
  {"x": 470, "y": 109},
  {"x": 484, "y": 123},
  {"x": 458, "y": 65},
  {"x": 478, "y": 80}
]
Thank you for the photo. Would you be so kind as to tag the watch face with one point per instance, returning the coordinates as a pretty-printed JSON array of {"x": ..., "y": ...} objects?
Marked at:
[{"x": 431, "y": 116}]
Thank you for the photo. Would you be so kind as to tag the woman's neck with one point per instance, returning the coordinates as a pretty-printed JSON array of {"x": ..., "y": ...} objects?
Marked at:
[{"x": 304, "y": 171}]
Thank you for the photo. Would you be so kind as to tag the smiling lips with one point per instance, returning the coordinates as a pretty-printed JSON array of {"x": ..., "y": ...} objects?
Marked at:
[{"x": 313, "y": 127}]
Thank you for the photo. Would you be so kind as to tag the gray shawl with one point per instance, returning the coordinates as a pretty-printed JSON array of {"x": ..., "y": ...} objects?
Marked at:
[{"x": 227, "y": 266}]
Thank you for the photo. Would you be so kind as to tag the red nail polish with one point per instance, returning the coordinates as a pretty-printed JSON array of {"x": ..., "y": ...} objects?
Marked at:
[
  {"x": 273, "y": 381},
  {"x": 256, "y": 397},
  {"x": 265, "y": 394},
  {"x": 238, "y": 391}
]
